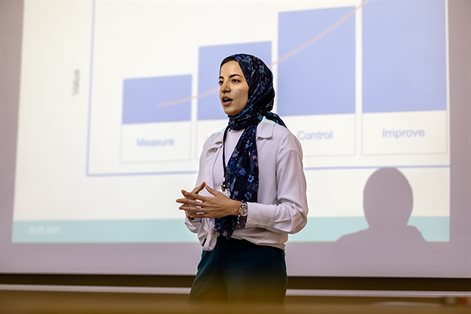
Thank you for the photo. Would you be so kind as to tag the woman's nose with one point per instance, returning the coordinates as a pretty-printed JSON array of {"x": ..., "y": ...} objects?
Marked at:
[{"x": 224, "y": 88}]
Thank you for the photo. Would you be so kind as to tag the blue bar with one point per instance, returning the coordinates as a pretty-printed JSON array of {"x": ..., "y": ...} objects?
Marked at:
[
  {"x": 148, "y": 100},
  {"x": 210, "y": 57},
  {"x": 404, "y": 56},
  {"x": 321, "y": 78}
]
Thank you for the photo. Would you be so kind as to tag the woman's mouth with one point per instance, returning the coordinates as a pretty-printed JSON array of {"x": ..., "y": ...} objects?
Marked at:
[{"x": 226, "y": 101}]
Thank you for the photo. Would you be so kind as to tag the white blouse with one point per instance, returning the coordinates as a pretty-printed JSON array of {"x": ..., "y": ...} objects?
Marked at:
[{"x": 282, "y": 203}]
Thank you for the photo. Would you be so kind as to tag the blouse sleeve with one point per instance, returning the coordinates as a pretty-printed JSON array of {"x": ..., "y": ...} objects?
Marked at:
[{"x": 289, "y": 213}]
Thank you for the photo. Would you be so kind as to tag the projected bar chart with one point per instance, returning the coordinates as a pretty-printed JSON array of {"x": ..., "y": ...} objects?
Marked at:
[
  {"x": 358, "y": 84},
  {"x": 316, "y": 88},
  {"x": 156, "y": 118},
  {"x": 404, "y": 110}
]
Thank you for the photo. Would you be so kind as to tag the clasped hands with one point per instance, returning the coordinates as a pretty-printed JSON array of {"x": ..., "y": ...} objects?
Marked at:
[{"x": 215, "y": 206}]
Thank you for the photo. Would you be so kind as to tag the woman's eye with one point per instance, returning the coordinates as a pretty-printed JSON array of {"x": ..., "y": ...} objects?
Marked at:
[
  {"x": 235, "y": 81},
  {"x": 220, "y": 83}
]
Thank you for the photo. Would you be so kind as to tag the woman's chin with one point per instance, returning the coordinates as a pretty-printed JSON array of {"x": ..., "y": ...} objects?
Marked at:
[{"x": 229, "y": 112}]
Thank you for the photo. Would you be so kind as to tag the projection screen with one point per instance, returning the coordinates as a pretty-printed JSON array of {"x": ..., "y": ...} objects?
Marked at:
[{"x": 105, "y": 106}]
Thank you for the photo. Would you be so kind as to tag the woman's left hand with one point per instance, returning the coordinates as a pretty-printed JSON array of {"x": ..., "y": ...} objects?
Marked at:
[{"x": 216, "y": 206}]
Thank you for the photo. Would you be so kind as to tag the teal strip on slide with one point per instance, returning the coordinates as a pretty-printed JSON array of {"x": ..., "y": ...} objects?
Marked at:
[
  {"x": 328, "y": 229},
  {"x": 434, "y": 229},
  {"x": 102, "y": 231}
]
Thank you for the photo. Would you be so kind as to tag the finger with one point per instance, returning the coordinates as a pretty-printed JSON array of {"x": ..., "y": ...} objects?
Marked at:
[
  {"x": 184, "y": 192},
  {"x": 196, "y": 204},
  {"x": 211, "y": 190},
  {"x": 188, "y": 195},
  {"x": 196, "y": 213},
  {"x": 195, "y": 196},
  {"x": 188, "y": 209},
  {"x": 198, "y": 189},
  {"x": 196, "y": 207},
  {"x": 184, "y": 200},
  {"x": 193, "y": 216}
]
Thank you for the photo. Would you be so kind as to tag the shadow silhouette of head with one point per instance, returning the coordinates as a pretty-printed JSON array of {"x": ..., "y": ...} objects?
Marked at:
[{"x": 387, "y": 200}]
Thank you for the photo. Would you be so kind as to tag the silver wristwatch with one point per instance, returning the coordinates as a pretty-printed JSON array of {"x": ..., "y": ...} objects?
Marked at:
[{"x": 243, "y": 209}]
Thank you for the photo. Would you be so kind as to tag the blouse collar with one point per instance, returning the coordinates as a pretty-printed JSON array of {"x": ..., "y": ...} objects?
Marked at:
[{"x": 264, "y": 131}]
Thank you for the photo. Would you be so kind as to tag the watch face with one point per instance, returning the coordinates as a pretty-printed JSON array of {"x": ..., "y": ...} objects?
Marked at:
[{"x": 243, "y": 209}]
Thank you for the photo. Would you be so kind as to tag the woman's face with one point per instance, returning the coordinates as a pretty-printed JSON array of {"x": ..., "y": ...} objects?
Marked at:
[{"x": 233, "y": 88}]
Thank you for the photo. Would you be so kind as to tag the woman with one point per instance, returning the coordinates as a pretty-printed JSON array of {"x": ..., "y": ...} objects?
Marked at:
[{"x": 251, "y": 192}]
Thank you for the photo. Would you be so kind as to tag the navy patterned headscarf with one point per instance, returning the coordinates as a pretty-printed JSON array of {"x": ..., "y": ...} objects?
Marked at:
[{"x": 241, "y": 175}]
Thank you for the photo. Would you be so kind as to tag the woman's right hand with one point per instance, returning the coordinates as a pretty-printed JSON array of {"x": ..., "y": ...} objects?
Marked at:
[{"x": 196, "y": 190}]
